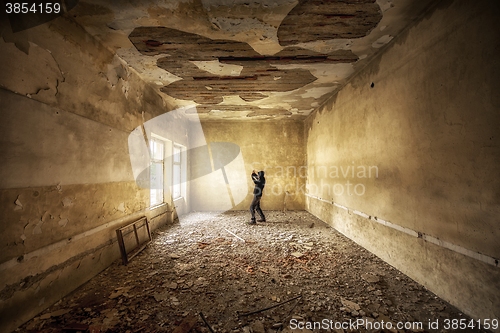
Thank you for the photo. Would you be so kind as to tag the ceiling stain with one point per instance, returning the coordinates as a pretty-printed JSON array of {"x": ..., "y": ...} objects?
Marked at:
[
  {"x": 259, "y": 77},
  {"x": 239, "y": 59},
  {"x": 313, "y": 20}
]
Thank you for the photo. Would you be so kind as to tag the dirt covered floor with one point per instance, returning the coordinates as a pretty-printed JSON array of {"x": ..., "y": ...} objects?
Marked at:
[{"x": 221, "y": 267}]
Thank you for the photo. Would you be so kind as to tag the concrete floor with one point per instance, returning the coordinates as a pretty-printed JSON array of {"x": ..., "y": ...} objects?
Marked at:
[{"x": 220, "y": 266}]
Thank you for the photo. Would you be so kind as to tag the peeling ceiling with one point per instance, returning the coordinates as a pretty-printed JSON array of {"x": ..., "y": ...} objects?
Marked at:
[{"x": 247, "y": 59}]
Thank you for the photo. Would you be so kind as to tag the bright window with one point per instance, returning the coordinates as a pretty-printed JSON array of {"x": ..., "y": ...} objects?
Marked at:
[
  {"x": 177, "y": 172},
  {"x": 156, "y": 171}
]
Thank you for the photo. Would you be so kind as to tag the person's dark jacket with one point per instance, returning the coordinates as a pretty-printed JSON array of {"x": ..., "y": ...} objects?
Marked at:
[{"x": 259, "y": 181}]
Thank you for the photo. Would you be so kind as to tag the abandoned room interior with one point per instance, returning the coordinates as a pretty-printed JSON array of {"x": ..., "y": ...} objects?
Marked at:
[{"x": 130, "y": 129}]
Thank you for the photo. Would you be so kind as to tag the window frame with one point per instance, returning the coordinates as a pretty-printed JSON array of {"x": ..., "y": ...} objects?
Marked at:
[
  {"x": 160, "y": 193},
  {"x": 177, "y": 189}
]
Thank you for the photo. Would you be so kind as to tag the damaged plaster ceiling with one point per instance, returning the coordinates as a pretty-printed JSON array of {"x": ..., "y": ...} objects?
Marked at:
[{"x": 247, "y": 59}]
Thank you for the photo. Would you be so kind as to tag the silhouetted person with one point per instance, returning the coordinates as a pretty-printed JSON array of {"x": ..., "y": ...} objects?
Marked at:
[{"x": 259, "y": 181}]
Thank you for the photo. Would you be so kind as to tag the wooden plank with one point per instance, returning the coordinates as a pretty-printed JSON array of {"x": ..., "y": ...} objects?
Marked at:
[{"x": 127, "y": 256}]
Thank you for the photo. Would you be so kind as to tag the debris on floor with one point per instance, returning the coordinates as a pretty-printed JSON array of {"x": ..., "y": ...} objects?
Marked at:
[{"x": 212, "y": 272}]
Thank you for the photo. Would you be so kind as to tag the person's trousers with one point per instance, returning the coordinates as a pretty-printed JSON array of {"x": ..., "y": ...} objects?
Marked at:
[{"x": 255, "y": 206}]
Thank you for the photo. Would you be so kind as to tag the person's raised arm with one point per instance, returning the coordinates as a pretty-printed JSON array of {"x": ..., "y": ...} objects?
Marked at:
[{"x": 255, "y": 177}]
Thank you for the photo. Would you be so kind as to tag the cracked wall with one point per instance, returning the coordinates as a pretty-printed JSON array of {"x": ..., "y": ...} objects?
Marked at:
[
  {"x": 68, "y": 107},
  {"x": 425, "y": 114}
]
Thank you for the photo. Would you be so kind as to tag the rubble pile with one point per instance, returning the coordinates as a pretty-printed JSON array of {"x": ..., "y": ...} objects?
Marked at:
[{"x": 212, "y": 272}]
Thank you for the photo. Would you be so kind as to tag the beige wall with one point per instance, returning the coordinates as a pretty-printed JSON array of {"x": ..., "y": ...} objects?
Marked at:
[
  {"x": 67, "y": 108},
  {"x": 275, "y": 147},
  {"x": 429, "y": 129}
]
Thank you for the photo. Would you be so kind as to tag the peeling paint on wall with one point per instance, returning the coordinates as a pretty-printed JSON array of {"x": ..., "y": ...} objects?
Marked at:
[
  {"x": 18, "y": 204},
  {"x": 37, "y": 229},
  {"x": 121, "y": 207},
  {"x": 67, "y": 202},
  {"x": 63, "y": 222}
]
